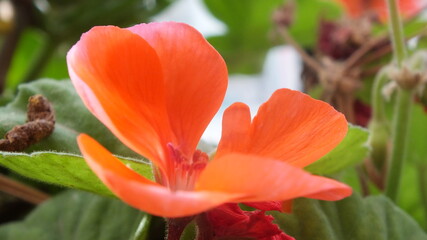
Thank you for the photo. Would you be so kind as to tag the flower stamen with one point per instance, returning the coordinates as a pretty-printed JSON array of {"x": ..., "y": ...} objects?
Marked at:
[{"x": 184, "y": 170}]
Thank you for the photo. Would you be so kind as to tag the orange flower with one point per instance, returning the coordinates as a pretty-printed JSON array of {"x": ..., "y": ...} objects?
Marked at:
[
  {"x": 156, "y": 87},
  {"x": 356, "y": 8}
]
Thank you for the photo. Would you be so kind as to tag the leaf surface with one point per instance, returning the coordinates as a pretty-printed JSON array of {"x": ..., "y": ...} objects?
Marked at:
[
  {"x": 72, "y": 118},
  {"x": 353, "y": 218},
  {"x": 352, "y": 150},
  {"x": 76, "y": 215},
  {"x": 64, "y": 169}
]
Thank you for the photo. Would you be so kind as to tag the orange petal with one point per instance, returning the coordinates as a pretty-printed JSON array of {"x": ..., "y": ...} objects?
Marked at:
[
  {"x": 142, "y": 193},
  {"x": 411, "y": 7},
  {"x": 195, "y": 78},
  {"x": 293, "y": 127},
  {"x": 119, "y": 77},
  {"x": 406, "y": 8},
  {"x": 236, "y": 123},
  {"x": 264, "y": 179},
  {"x": 356, "y": 8}
]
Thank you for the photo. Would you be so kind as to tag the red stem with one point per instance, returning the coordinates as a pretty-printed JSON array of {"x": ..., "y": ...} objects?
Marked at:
[{"x": 176, "y": 226}]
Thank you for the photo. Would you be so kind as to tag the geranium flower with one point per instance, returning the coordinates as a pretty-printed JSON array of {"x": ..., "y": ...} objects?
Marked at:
[
  {"x": 357, "y": 8},
  {"x": 157, "y": 86}
]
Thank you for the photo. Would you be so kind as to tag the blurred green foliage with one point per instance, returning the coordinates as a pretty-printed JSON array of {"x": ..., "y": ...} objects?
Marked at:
[
  {"x": 76, "y": 215},
  {"x": 251, "y": 29},
  {"x": 351, "y": 151},
  {"x": 353, "y": 218},
  {"x": 49, "y": 28}
]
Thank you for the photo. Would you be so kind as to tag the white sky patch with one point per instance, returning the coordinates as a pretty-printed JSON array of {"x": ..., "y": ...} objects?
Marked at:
[
  {"x": 6, "y": 11},
  {"x": 194, "y": 13}
]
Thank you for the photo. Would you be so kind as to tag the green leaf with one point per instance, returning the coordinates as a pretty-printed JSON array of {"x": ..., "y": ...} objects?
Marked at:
[
  {"x": 67, "y": 20},
  {"x": 353, "y": 218},
  {"x": 414, "y": 27},
  {"x": 43, "y": 45},
  {"x": 307, "y": 16},
  {"x": 63, "y": 169},
  {"x": 28, "y": 48},
  {"x": 417, "y": 150},
  {"x": 76, "y": 215},
  {"x": 412, "y": 190},
  {"x": 143, "y": 230},
  {"x": 72, "y": 118},
  {"x": 352, "y": 150}
]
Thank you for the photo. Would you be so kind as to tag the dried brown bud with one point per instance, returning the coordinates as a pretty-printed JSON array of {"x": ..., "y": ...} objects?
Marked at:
[
  {"x": 405, "y": 77},
  {"x": 40, "y": 124}
]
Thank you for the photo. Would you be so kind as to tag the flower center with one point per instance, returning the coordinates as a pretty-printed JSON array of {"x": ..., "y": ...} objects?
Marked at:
[{"x": 184, "y": 171}]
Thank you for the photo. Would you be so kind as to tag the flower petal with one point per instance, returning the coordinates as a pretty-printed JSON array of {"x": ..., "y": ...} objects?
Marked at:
[
  {"x": 119, "y": 77},
  {"x": 142, "y": 193},
  {"x": 265, "y": 179},
  {"x": 407, "y": 8},
  {"x": 356, "y": 8},
  {"x": 195, "y": 78},
  {"x": 236, "y": 123},
  {"x": 290, "y": 126}
]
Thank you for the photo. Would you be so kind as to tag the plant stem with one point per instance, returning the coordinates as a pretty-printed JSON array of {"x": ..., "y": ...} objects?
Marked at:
[
  {"x": 311, "y": 62},
  {"x": 362, "y": 51},
  {"x": 176, "y": 226},
  {"x": 401, "y": 119},
  {"x": 204, "y": 228},
  {"x": 378, "y": 104},
  {"x": 396, "y": 29},
  {"x": 379, "y": 132},
  {"x": 402, "y": 108},
  {"x": 22, "y": 191}
]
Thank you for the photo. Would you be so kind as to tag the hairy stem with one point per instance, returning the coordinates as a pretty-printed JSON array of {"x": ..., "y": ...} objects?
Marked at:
[
  {"x": 380, "y": 130},
  {"x": 176, "y": 226},
  {"x": 378, "y": 104},
  {"x": 396, "y": 29},
  {"x": 402, "y": 109},
  {"x": 401, "y": 119},
  {"x": 204, "y": 229}
]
